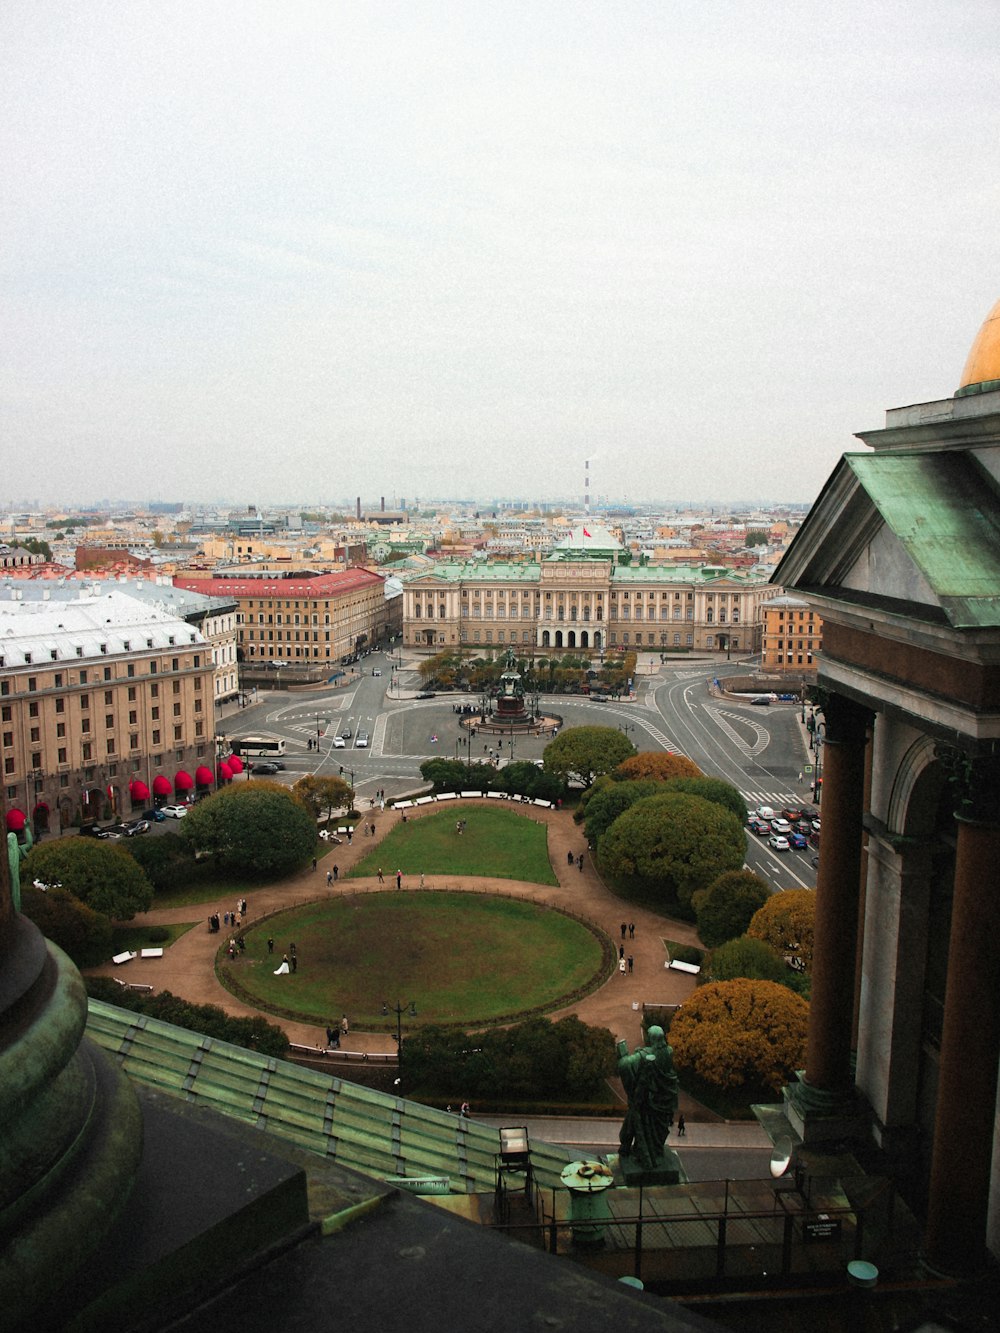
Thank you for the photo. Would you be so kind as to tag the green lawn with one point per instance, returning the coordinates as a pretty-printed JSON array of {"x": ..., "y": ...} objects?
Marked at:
[
  {"x": 461, "y": 957},
  {"x": 495, "y": 842},
  {"x": 137, "y": 937}
]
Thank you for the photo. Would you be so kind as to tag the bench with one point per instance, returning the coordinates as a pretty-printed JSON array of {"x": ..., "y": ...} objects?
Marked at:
[
  {"x": 338, "y": 1053},
  {"x": 120, "y": 958},
  {"x": 678, "y": 966},
  {"x": 151, "y": 953},
  {"x": 133, "y": 985}
]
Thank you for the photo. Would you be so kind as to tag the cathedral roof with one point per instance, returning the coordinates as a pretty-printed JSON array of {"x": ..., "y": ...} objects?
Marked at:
[{"x": 982, "y": 369}]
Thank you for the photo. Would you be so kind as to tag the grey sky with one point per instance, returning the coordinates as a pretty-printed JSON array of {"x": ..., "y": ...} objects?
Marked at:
[{"x": 301, "y": 251}]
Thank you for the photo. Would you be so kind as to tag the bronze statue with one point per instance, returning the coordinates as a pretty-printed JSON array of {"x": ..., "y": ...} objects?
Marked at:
[
  {"x": 651, "y": 1086},
  {"x": 16, "y": 852}
]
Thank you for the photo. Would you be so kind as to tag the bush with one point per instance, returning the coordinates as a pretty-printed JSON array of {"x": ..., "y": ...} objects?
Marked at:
[
  {"x": 712, "y": 789},
  {"x": 750, "y": 959},
  {"x": 725, "y": 909},
  {"x": 741, "y": 1034},
  {"x": 102, "y": 875},
  {"x": 656, "y": 764},
  {"x": 252, "y": 826},
  {"x": 157, "y": 934},
  {"x": 166, "y": 860},
  {"x": 786, "y": 922},
  {"x": 687, "y": 953},
  {"x": 256, "y": 1034},
  {"x": 82, "y": 933}
]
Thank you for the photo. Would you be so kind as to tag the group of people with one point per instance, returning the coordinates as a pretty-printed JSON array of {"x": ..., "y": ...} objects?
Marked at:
[
  {"x": 335, "y": 1032},
  {"x": 572, "y": 859},
  {"x": 234, "y": 918}
]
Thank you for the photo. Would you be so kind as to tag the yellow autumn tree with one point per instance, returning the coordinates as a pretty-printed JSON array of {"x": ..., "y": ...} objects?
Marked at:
[
  {"x": 741, "y": 1034},
  {"x": 786, "y": 922},
  {"x": 657, "y": 764}
]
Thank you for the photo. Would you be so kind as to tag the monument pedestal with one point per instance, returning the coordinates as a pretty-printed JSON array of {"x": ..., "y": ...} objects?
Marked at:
[{"x": 666, "y": 1170}]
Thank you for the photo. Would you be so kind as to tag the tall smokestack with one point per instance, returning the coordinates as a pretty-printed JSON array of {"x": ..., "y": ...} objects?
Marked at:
[
  {"x": 359, "y": 507},
  {"x": 586, "y": 487},
  {"x": 383, "y": 504}
]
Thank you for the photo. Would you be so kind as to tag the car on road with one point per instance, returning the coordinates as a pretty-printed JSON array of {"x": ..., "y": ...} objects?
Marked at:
[
  {"x": 346, "y": 734},
  {"x": 779, "y": 825},
  {"x": 759, "y": 826},
  {"x": 362, "y": 740},
  {"x": 426, "y": 694},
  {"x": 134, "y": 827},
  {"x": 779, "y": 842},
  {"x": 155, "y": 816},
  {"x": 339, "y": 743},
  {"x": 267, "y": 769},
  {"x": 174, "y": 811},
  {"x": 765, "y": 812},
  {"x": 798, "y": 840},
  {"x": 762, "y": 701},
  {"x": 93, "y": 831},
  {"x": 793, "y": 814}
]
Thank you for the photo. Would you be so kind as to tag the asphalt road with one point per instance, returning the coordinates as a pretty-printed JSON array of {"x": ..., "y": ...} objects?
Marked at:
[{"x": 759, "y": 750}]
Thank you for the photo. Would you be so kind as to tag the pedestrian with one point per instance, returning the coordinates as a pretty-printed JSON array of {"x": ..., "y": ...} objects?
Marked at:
[
  {"x": 630, "y": 962},
  {"x": 225, "y": 918},
  {"x": 314, "y": 863},
  {"x": 631, "y": 930},
  {"x": 580, "y": 863},
  {"x": 466, "y": 1110},
  {"x": 621, "y": 966},
  {"x": 421, "y": 879},
  {"x": 291, "y": 950},
  {"x": 270, "y": 945},
  {"x": 569, "y": 858},
  {"x": 336, "y": 873},
  {"x": 381, "y": 877},
  {"x": 681, "y": 1126},
  {"x": 241, "y": 943},
  {"x": 329, "y": 878},
  {"x": 295, "y": 962},
  {"x": 344, "y": 1029},
  {"x": 373, "y": 830},
  {"x": 329, "y": 1035},
  {"x": 458, "y": 826},
  {"x": 350, "y": 837},
  {"x": 621, "y": 951},
  {"x": 624, "y": 928},
  {"x": 399, "y": 879}
]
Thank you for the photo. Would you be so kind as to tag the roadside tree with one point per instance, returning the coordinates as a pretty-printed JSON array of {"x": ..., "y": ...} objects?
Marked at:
[
  {"x": 659, "y": 764},
  {"x": 752, "y": 960},
  {"x": 712, "y": 789},
  {"x": 667, "y": 847},
  {"x": 741, "y": 1034},
  {"x": 786, "y": 922},
  {"x": 584, "y": 753},
  {"x": 255, "y": 827},
  {"x": 724, "y": 910},
  {"x": 101, "y": 875},
  {"x": 322, "y": 795}
]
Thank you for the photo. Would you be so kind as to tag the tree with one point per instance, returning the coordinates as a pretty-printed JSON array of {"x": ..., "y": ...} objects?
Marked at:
[
  {"x": 82, "y": 933},
  {"x": 103, "y": 876},
  {"x": 584, "y": 753},
  {"x": 753, "y": 960},
  {"x": 165, "y": 860},
  {"x": 724, "y": 910},
  {"x": 741, "y": 1034},
  {"x": 669, "y": 846},
  {"x": 786, "y": 922},
  {"x": 255, "y": 1033},
  {"x": 712, "y": 789},
  {"x": 612, "y": 800},
  {"x": 659, "y": 764},
  {"x": 456, "y": 775},
  {"x": 256, "y": 826},
  {"x": 527, "y": 779},
  {"x": 322, "y": 795}
]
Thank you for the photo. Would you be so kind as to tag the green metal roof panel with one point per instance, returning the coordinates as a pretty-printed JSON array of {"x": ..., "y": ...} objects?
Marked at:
[{"x": 945, "y": 510}]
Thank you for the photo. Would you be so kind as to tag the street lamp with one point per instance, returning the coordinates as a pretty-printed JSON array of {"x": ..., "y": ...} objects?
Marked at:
[
  {"x": 626, "y": 727},
  {"x": 399, "y": 1010}
]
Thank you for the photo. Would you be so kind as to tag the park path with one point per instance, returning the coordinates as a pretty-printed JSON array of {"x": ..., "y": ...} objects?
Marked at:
[{"x": 188, "y": 966}]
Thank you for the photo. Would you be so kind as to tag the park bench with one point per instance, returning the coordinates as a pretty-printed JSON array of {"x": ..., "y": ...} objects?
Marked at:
[
  {"x": 125, "y": 957},
  {"x": 133, "y": 985}
]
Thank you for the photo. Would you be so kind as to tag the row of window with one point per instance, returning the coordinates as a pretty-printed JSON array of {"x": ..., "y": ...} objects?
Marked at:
[
  {"x": 61, "y": 681},
  {"x": 54, "y": 654},
  {"x": 110, "y": 748}
]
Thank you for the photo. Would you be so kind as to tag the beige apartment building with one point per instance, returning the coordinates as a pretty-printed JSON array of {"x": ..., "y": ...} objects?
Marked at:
[
  {"x": 793, "y": 636},
  {"x": 304, "y": 617},
  {"x": 572, "y": 602},
  {"x": 103, "y": 702}
]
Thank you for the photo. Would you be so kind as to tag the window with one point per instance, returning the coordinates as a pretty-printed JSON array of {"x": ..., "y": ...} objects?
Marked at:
[
  {"x": 8, "y": 739},
  {"x": 109, "y": 722},
  {"x": 36, "y": 735},
  {"x": 32, "y": 710},
  {"x": 86, "y": 750},
  {"x": 108, "y": 698},
  {"x": 60, "y": 705},
  {"x": 61, "y": 755},
  {"x": 57, "y": 680},
  {"x": 156, "y": 737},
  {"x": 84, "y": 700},
  {"x": 83, "y": 674}
]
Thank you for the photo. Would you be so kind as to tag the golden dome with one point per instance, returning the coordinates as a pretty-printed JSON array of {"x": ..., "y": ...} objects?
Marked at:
[{"x": 982, "y": 369}]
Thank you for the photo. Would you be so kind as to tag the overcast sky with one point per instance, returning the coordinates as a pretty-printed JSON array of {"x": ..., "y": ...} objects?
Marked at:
[{"x": 292, "y": 252}]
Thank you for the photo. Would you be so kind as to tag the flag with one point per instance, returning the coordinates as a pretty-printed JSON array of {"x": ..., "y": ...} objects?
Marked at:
[{"x": 586, "y": 533}]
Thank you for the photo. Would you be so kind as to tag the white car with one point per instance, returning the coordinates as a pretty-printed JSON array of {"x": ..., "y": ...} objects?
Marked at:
[
  {"x": 781, "y": 826},
  {"x": 765, "y": 812},
  {"x": 339, "y": 743},
  {"x": 779, "y": 842},
  {"x": 174, "y": 811},
  {"x": 361, "y": 742}
]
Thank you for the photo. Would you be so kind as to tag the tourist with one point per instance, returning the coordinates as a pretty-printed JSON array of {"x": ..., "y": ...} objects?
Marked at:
[
  {"x": 336, "y": 873},
  {"x": 329, "y": 878},
  {"x": 343, "y": 1026},
  {"x": 399, "y": 879},
  {"x": 621, "y": 966},
  {"x": 381, "y": 877},
  {"x": 624, "y": 928},
  {"x": 270, "y": 945},
  {"x": 681, "y": 1126},
  {"x": 630, "y": 961},
  {"x": 631, "y": 930}
]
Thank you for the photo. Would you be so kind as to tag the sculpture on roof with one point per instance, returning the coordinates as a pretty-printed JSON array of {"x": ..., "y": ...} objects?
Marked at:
[
  {"x": 16, "y": 852},
  {"x": 651, "y": 1087}
]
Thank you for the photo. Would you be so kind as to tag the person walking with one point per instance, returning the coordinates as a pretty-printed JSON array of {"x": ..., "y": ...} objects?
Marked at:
[
  {"x": 631, "y": 930},
  {"x": 336, "y": 873},
  {"x": 314, "y": 863},
  {"x": 381, "y": 877},
  {"x": 399, "y": 879},
  {"x": 344, "y": 1028},
  {"x": 681, "y": 1126},
  {"x": 270, "y": 945},
  {"x": 621, "y": 966},
  {"x": 421, "y": 879},
  {"x": 329, "y": 878},
  {"x": 295, "y": 962},
  {"x": 624, "y": 928},
  {"x": 631, "y": 960}
]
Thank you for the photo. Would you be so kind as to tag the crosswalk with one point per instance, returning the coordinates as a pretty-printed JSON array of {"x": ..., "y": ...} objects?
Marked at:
[{"x": 777, "y": 800}]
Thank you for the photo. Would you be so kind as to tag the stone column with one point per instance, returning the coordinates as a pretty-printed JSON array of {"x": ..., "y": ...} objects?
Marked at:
[
  {"x": 828, "y": 1085},
  {"x": 959, "y": 1193}
]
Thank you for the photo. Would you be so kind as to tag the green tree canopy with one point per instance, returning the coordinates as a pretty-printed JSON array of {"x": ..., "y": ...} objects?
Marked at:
[
  {"x": 666, "y": 847},
  {"x": 586, "y": 752},
  {"x": 100, "y": 874},
  {"x": 165, "y": 860},
  {"x": 321, "y": 795},
  {"x": 753, "y": 960},
  {"x": 255, "y": 1033},
  {"x": 786, "y": 922},
  {"x": 712, "y": 789},
  {"x": 527, "y": 779},
  {"x": 741, "y": 1034},
  {"x": 456, "y": 775},
  {"x": 82, "y": 933},
  {"x": 256, "y": 827},
  {"x": 612, "y": 800},
  {"x": 724, "y": 910}
]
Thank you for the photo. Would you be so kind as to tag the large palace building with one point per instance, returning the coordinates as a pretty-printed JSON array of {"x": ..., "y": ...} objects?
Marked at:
[{"x": 580, "y": 598}]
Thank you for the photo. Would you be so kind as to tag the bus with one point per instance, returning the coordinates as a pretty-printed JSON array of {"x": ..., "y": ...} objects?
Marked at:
[{"x": 258, "y": 747}]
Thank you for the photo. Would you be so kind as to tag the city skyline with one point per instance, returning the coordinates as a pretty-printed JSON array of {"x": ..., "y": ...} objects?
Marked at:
[{"x": 424, "y": 250}]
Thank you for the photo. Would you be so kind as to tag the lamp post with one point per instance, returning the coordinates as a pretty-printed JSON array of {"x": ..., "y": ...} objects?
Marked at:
[
  {"x": 399, "y": 1010},
  {"x": 818, "y": 737},
  {"x": 626, "y": 727}
]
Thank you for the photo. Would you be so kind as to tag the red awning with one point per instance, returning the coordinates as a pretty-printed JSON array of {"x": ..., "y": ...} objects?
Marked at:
[
  {"x": 16, "y": 820},
  {"x": 183, "y": 781},
  {"x": 203, "y": 776},
  {"x": 41, "y": 805},
  {"x": 161, "y": 785},
  {"x": 235, "y": 763},
  {"x": 225, "y": 772},
  {"x": 139, "y": 791}
]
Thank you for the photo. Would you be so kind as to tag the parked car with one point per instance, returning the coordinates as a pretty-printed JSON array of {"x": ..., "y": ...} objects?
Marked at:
[
  {"x": 779, "y": 842},
  {"x": 362, "y": 740},
  {"x": 780, "y": 825},
  {"x": 174, "y": 811},
  {"x": 426, "y": 694},
  {"x": 267, "y": 769},
  {"x": 339, "y": 743},
  {"x": 134, "y": 827},
  {"x": 155, "y": 816},
  {"x": 762, "y": 701},
  {"x": 93, "y": 831}
]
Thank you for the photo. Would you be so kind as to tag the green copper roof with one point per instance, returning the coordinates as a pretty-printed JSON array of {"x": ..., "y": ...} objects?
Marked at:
[
  {"x": 682, "y": 574},
  {"x": 945, "y": 510},
  {"x": 493, "y": 571}
]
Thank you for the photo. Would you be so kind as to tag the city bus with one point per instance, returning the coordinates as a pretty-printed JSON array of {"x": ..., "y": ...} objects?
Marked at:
[{"x": 258, "y": 747}]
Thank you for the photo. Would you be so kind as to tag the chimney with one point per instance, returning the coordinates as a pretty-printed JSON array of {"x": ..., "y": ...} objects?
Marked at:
[
  {"x": 359, "y": 508},
  {"x": 383, "y": 504}
]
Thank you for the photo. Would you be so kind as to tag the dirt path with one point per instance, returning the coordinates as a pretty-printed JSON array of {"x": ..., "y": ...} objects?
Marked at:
[{"x": 187, "y": 967}]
